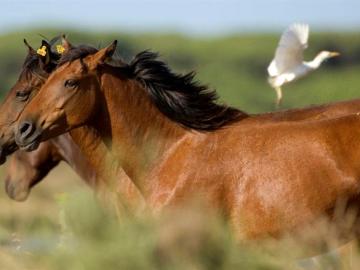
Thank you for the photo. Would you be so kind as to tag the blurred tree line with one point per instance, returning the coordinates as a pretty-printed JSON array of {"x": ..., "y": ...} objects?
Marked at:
[{"x": 234, "y": 65}]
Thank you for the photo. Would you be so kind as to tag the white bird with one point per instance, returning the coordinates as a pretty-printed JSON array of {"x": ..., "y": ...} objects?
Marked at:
[{"x": 288, "y": 64}]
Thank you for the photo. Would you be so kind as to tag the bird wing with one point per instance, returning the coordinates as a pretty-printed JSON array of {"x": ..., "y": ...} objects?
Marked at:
[{"x": 289, "y": 52}]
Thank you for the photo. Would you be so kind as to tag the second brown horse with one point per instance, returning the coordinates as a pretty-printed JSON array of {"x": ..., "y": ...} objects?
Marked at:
[{"x": 26, "y": 169}]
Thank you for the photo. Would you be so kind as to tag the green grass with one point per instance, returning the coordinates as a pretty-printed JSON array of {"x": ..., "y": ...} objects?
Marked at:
[{"x": 234, "y": 65}]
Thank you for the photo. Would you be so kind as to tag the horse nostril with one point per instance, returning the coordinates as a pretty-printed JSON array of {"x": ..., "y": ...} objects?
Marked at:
[
  {"x": 42, "y": 123},
  {"x": 26, "y": 129}
]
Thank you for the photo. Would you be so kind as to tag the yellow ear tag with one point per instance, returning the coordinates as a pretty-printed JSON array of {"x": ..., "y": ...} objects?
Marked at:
[
  {"x": 41, "y": 51},
  {"x": 60, "y": 49}
]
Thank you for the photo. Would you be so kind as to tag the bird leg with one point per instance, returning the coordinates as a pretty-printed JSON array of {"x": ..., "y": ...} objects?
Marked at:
[{"x": 278, "y": 96}]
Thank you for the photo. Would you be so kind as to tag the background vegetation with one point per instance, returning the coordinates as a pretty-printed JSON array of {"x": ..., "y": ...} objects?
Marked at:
[
  {"x": 61, "y": 226},
  {"x": 234, "y": 65}
]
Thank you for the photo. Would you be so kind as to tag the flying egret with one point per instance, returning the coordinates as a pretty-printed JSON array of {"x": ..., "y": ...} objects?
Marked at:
[{"x": 288, "y": 64}]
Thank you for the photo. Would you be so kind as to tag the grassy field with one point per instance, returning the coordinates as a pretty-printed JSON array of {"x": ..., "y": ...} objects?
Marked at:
[
  {"x": 61, "y": 226},
  {"x": 234, "y": 65}
]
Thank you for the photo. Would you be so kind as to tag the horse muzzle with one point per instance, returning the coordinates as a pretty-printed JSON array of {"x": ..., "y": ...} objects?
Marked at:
[
  {"x": 14, "y": 192},
  {"x": 27, "y": 136}
]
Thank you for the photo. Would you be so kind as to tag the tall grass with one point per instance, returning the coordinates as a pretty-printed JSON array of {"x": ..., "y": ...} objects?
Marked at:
[{"x": 89, "y": 237}]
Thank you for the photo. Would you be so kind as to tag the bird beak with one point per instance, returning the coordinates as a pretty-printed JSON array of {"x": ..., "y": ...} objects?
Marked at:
[{"x": 334, "y": 54}]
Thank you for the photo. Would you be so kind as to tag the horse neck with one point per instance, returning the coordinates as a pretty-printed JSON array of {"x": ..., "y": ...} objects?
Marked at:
[
  {"x": 134, "y": 130},
  {"x": 108, "y": 177},
  {"x": 72, "y": 155}
]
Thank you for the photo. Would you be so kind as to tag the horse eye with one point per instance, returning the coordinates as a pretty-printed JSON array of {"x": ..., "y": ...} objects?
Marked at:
[
  {"x": 22, "y": 95},
  {"x": 71, "y": 83}
]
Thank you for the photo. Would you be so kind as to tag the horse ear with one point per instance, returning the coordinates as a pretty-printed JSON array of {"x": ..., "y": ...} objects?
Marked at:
[
  {"x": 30, "y": 49},
  {"x": 104, "y": 54},
  {"x": 45, "y": 58},
  {"x": 65, "y": 43}
]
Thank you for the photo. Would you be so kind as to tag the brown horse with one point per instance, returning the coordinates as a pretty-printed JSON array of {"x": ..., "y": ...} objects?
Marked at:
[
  {"x": 174, "y": 142},
  {"x": 33, "y": 75},
  {"x": 27, "y": 169}
]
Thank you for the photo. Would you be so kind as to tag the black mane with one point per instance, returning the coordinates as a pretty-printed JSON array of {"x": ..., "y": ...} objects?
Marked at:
[
  {"x": 179, "y": 97},
  {"x": 33, "y": 64},
  {"x": 78, "y": 52}
]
